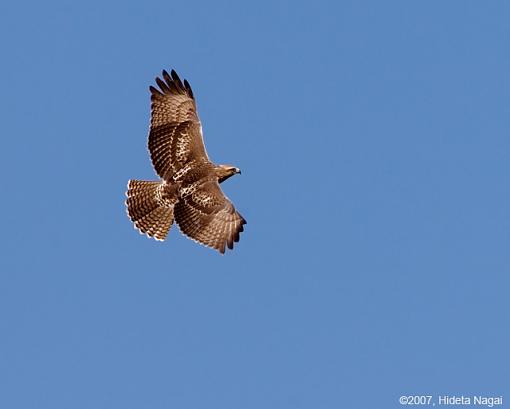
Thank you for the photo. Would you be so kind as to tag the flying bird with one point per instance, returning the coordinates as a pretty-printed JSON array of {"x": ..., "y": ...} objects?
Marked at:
[{"x": 189, "y": 189}]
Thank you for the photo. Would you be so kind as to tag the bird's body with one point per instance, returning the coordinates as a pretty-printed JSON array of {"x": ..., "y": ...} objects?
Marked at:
[{"x": 189, "y": 190}]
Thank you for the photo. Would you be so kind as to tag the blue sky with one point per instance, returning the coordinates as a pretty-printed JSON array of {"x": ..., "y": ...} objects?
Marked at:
[{"x": 373, "y": 139}]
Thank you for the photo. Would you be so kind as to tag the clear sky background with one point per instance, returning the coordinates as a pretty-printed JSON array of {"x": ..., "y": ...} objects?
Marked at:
[{"x": 374, "y": 144}]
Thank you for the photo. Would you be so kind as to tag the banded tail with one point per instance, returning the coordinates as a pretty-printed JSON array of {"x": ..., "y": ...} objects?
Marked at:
[{"x": 148, "y": 210}]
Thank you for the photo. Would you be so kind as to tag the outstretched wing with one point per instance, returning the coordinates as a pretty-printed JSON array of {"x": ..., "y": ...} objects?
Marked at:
[
  {"x": 175, "y": 137},
  {"x": 208, "y": 217}
]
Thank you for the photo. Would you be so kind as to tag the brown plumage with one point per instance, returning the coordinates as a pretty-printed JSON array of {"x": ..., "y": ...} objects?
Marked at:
[{"x": 189, "y": 189}]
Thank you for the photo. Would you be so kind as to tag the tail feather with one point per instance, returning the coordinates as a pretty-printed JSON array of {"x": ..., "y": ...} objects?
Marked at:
[
  {"x": 158, "y": 222},
  {"x": 146, "y": 208}
]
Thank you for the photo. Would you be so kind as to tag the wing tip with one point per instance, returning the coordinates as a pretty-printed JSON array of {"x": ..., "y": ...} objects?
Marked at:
[
  {"x": 155, "y": 93},
  {"x": 188, "y": 88},
  {"x": 171, "y": 83}
]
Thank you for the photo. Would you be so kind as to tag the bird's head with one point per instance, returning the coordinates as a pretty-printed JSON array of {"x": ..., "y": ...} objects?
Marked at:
[{"x": 223, "y": 172}]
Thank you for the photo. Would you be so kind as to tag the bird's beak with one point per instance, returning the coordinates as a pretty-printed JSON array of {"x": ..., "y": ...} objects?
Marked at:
[{"x": 238, "y": 170}]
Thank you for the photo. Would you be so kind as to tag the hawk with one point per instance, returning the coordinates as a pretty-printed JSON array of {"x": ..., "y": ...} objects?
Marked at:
[{"x": 189, "y": 189}]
